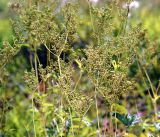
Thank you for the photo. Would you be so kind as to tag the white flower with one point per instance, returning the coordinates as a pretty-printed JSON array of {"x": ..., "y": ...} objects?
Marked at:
[
  {"x": 134, "y": 5},
  {"x": 94, "y": 1},
  {"x": 150, "y": 134},
  {"x": 157, "y": 126}
]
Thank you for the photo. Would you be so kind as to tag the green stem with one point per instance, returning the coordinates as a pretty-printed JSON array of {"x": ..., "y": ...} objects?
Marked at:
[
  {"x": 33, "y": 116},
  {"x": 33, "y": 108},
  {"x": 152, "y": 88},
  {"x": 90, "y": 12},
  {"x": 71, "y": 121},
  {"x": 97, "y": 112},
  {"x": 59, "y": 65},
  {"x": 111, "y": 124}
]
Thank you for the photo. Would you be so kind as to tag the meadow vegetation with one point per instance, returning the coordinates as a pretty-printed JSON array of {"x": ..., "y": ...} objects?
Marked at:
[{"x": 69, "y": 70}]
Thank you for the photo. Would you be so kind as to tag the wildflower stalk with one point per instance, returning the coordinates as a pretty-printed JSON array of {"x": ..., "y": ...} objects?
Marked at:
[
  {"x": 33, "y": 108},
  {"x": 116, "y": 127},
  {"x": 152, "y": 89},
  {"x": 90, "y": 12},
  {"x": 154, "y": 99},
  {"x": 126, "y": 19},
  {"x": 33, "y": 116},
  {"x": 97, "y": 112},
  {"x": 59, "y": 65},
  {"x": 111, "y": 123},
  {"x": 71, "y": 121}
]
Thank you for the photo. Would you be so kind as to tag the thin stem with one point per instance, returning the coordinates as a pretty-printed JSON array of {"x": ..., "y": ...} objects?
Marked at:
[
  {"x": 33, "y": 116},
  {"x": 155, "y": 109},
  {"x": 126, "y": 21},
  {"x": 152, "y": 89},
  {"x": 27, "y": 131},
  {"x": 115, "y": 123},
  {"x": 81, "y": 118},
  {"x": 97, "y": 112},
  {"x": 135, "y": 102},
  {"x": 58, "y": 57},
  {"x": 55, "y": 122},
  {"x": 43, "y": 123},
  {"x": 38, "y": 59},
  {"x": 154, "y": 95},
  {"x": 59, "y": 65},
  {"x": 144, "y": 79},
  {"x": 35, "y": 61},
  {"x": 92, "y": 23},
  {"x": 48, "y": 56},
  {"x": 33, "y": 109},
  {"x": 111, "y": 124},
  {"x": 31, "y": 62},
  {"x": 61, "y": 105},
  {"x": 2, "y": 119},
  {"x": 49, "y": 50},
  {"x": 158, "y": 87},
  {"x": 90, "y": 12},
  {"x": 71, "y": 121},
  {"x": 78, "y": 81},
  {"x": 60, "y": 72},
  {"x": 149, "y": 81}
]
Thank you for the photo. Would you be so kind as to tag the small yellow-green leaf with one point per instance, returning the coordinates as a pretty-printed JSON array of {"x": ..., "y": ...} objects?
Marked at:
[{"x": 119, "y": 108}]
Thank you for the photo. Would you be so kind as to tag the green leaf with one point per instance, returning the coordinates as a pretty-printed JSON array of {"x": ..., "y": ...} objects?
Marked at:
[
  {"x": 119, "y": 108},
  {"x": 127, "y": 120}
]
